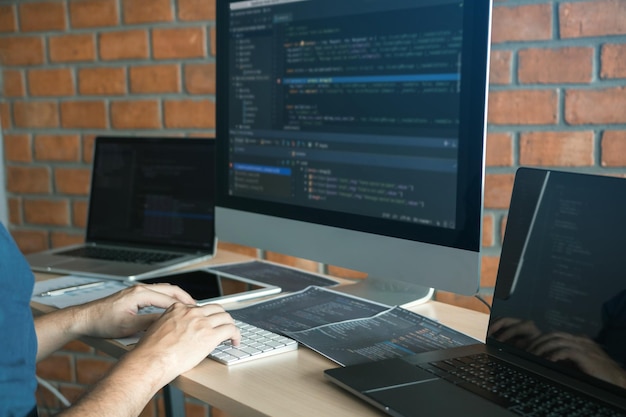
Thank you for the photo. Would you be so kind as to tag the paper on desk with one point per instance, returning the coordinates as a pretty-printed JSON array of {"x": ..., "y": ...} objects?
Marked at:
[
  {"x": 392, "y": 333},
  {"x": 73, "y": 298}
]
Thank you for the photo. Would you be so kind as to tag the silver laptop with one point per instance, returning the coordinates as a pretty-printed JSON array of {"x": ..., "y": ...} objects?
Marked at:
[
  {"x": 556, "y": 344},
  {"x": 151, "y": 210}
]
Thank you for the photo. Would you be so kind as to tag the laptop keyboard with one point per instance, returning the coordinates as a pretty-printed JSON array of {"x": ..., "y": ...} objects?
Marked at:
[
  {"x": 256, "y": 343},
  {"x": 121, "y": 255},
  {"x": 519, "y": 392}
]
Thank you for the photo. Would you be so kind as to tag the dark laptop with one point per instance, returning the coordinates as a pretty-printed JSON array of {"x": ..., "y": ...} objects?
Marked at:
[
  {"x": 556, "y": 344},
  {"x": 151, "y": 209}
]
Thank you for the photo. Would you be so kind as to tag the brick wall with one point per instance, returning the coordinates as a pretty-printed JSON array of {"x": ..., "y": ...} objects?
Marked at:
[
  {"x": 77, "y": 68},
  {"x": 557, "y": 98}
]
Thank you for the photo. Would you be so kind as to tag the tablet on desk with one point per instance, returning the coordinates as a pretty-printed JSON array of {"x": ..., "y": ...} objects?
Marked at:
[{"x": 208, "y": 287}]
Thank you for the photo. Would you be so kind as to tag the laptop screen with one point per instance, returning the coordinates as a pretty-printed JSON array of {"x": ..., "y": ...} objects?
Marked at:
[
  {"x": 561, "y": 286},
  {"x": 156, "y": 191}
]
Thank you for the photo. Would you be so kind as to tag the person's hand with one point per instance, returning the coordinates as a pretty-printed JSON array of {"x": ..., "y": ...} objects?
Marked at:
[
  {"x": 183, "y": 336},
  {"x": 518, "y": 332},
  {"x": 586, "y": 354},
  {"x": 117, "y": 315},
  {"x": 177, "y": 341}
]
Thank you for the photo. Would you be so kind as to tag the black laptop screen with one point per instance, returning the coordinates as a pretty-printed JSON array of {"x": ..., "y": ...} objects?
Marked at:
[
  {"x": 561, "y": 293},
  {"x": 157, "y": 191}
]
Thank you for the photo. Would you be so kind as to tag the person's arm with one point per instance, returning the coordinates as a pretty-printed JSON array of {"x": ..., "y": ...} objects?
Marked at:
[{"x": 177, "y": 341}]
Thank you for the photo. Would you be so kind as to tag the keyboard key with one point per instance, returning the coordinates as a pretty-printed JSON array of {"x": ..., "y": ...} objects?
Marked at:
[
  {"x": 520, "y": 392},
  {"x": 256, "y": 343},
  {"x": 121, "y": 255}
]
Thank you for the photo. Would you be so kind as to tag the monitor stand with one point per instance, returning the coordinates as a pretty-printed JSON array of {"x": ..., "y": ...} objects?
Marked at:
[{"x": 387, "y": 292}]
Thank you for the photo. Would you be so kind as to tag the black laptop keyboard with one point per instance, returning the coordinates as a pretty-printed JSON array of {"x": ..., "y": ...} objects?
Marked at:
[
  {"x": 121, "y": 255},
  {"x": 519, "y": 392}
]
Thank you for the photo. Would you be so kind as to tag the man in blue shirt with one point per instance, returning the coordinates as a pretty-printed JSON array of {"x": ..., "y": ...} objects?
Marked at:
[{"x": 174, "y": 342}]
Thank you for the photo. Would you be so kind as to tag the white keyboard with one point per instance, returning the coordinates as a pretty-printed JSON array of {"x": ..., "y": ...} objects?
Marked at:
[{"x": 255, "y": 343}]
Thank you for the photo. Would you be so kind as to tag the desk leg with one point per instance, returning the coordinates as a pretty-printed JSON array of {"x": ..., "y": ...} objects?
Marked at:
[{"x": 174, "y": 400}]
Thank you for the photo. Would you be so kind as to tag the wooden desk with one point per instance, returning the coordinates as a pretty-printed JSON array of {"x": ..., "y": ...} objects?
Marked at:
[{"x": 290, "y": 384}]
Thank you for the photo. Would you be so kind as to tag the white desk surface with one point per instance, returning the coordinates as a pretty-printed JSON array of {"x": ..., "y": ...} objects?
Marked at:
[{"x": 290, "y": 384}]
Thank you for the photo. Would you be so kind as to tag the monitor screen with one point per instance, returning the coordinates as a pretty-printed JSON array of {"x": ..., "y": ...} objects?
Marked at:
[{"x": 352, "y": 133}]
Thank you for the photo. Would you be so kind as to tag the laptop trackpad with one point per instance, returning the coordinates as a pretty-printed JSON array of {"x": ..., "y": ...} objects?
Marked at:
[{"x": 435, "y": 398}]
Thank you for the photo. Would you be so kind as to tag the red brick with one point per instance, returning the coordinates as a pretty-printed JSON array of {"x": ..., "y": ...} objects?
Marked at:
[
  {"x": 233, "y": 247},
  {"x": 521, "y": 23},
  {"x": 83, "y": 114},
  {"x": 126, "y": 44},
  {"x": 79, "y": 213},
  {"x": 57, "y": 367},
  {"x": 61, "y": 239},
  {"x": 42, "y": 16},
  {"x": 557, "y": 148},
  {"x": 212, "y": 40},
  {"x": 8, "y": 21},
  {"x": 21, "y": 50},
  {"x": 499, "y": 149},
  {"x": 601, "y": 106},
  {"x": 613, "y": 148},
  {"x": 469, "y": 302},
  {"x": 51, "y": 82},
  {"x": 523, "y": 107},
  {"x": 13, "y": 83},
  {"x": 48, "y": 402},
  {"x": 93, "y": 13},
  {"x": 5, "y": 115},
  {"x": 488, "y": 230},
  {"x": 498, "y": 189},
  {"x": 47, "y": 212},
  {"x": 153, "y": 79},
  {"x": 209, "y": 135},
  {"x": 73, "y": 181},
  {"x": 78, "y": 346},
  {"x": 15, "y": 210},
  {"x": 17, "y": 148},
  {"x": 189, "y": 114},
  {"x": 36, "y": 114},
  {"x": 592, "y": 18},
  {"x": 147, "y": 11},
  {"x": 193, "y": 10},
  {"x": 31, "y": 241},
  {"x": 136, "y": 114},
  {"x": 197, "y": 410},
  {"x": 178, "y": 43},
  {"x": 337, "y": 271},
  {"x": 90, "y": 370},
  {"x": 557, "y": 65},
  {"x": 200, "y": 78},
  {"x": 151, "y": 410},
  {"x": 299, "y": 263},
  {"x": 88, "y": 144},
  {"x": 500, "y": 67},
  {"x": 102, "y": 81},
  {"x": 72, "y": 392},
  {"x": 72, "y": 48},
  {"x": 64, "y": 148},
  {"x": 613, "y": 64},
  {"x": 488, "y": 271}
]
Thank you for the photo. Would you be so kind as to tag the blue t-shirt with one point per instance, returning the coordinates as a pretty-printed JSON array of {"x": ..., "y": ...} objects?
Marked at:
[{"x": 18, "y": 341}]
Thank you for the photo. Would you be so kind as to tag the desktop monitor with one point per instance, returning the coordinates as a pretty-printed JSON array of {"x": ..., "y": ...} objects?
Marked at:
[{"x": 351, "y": 132}]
